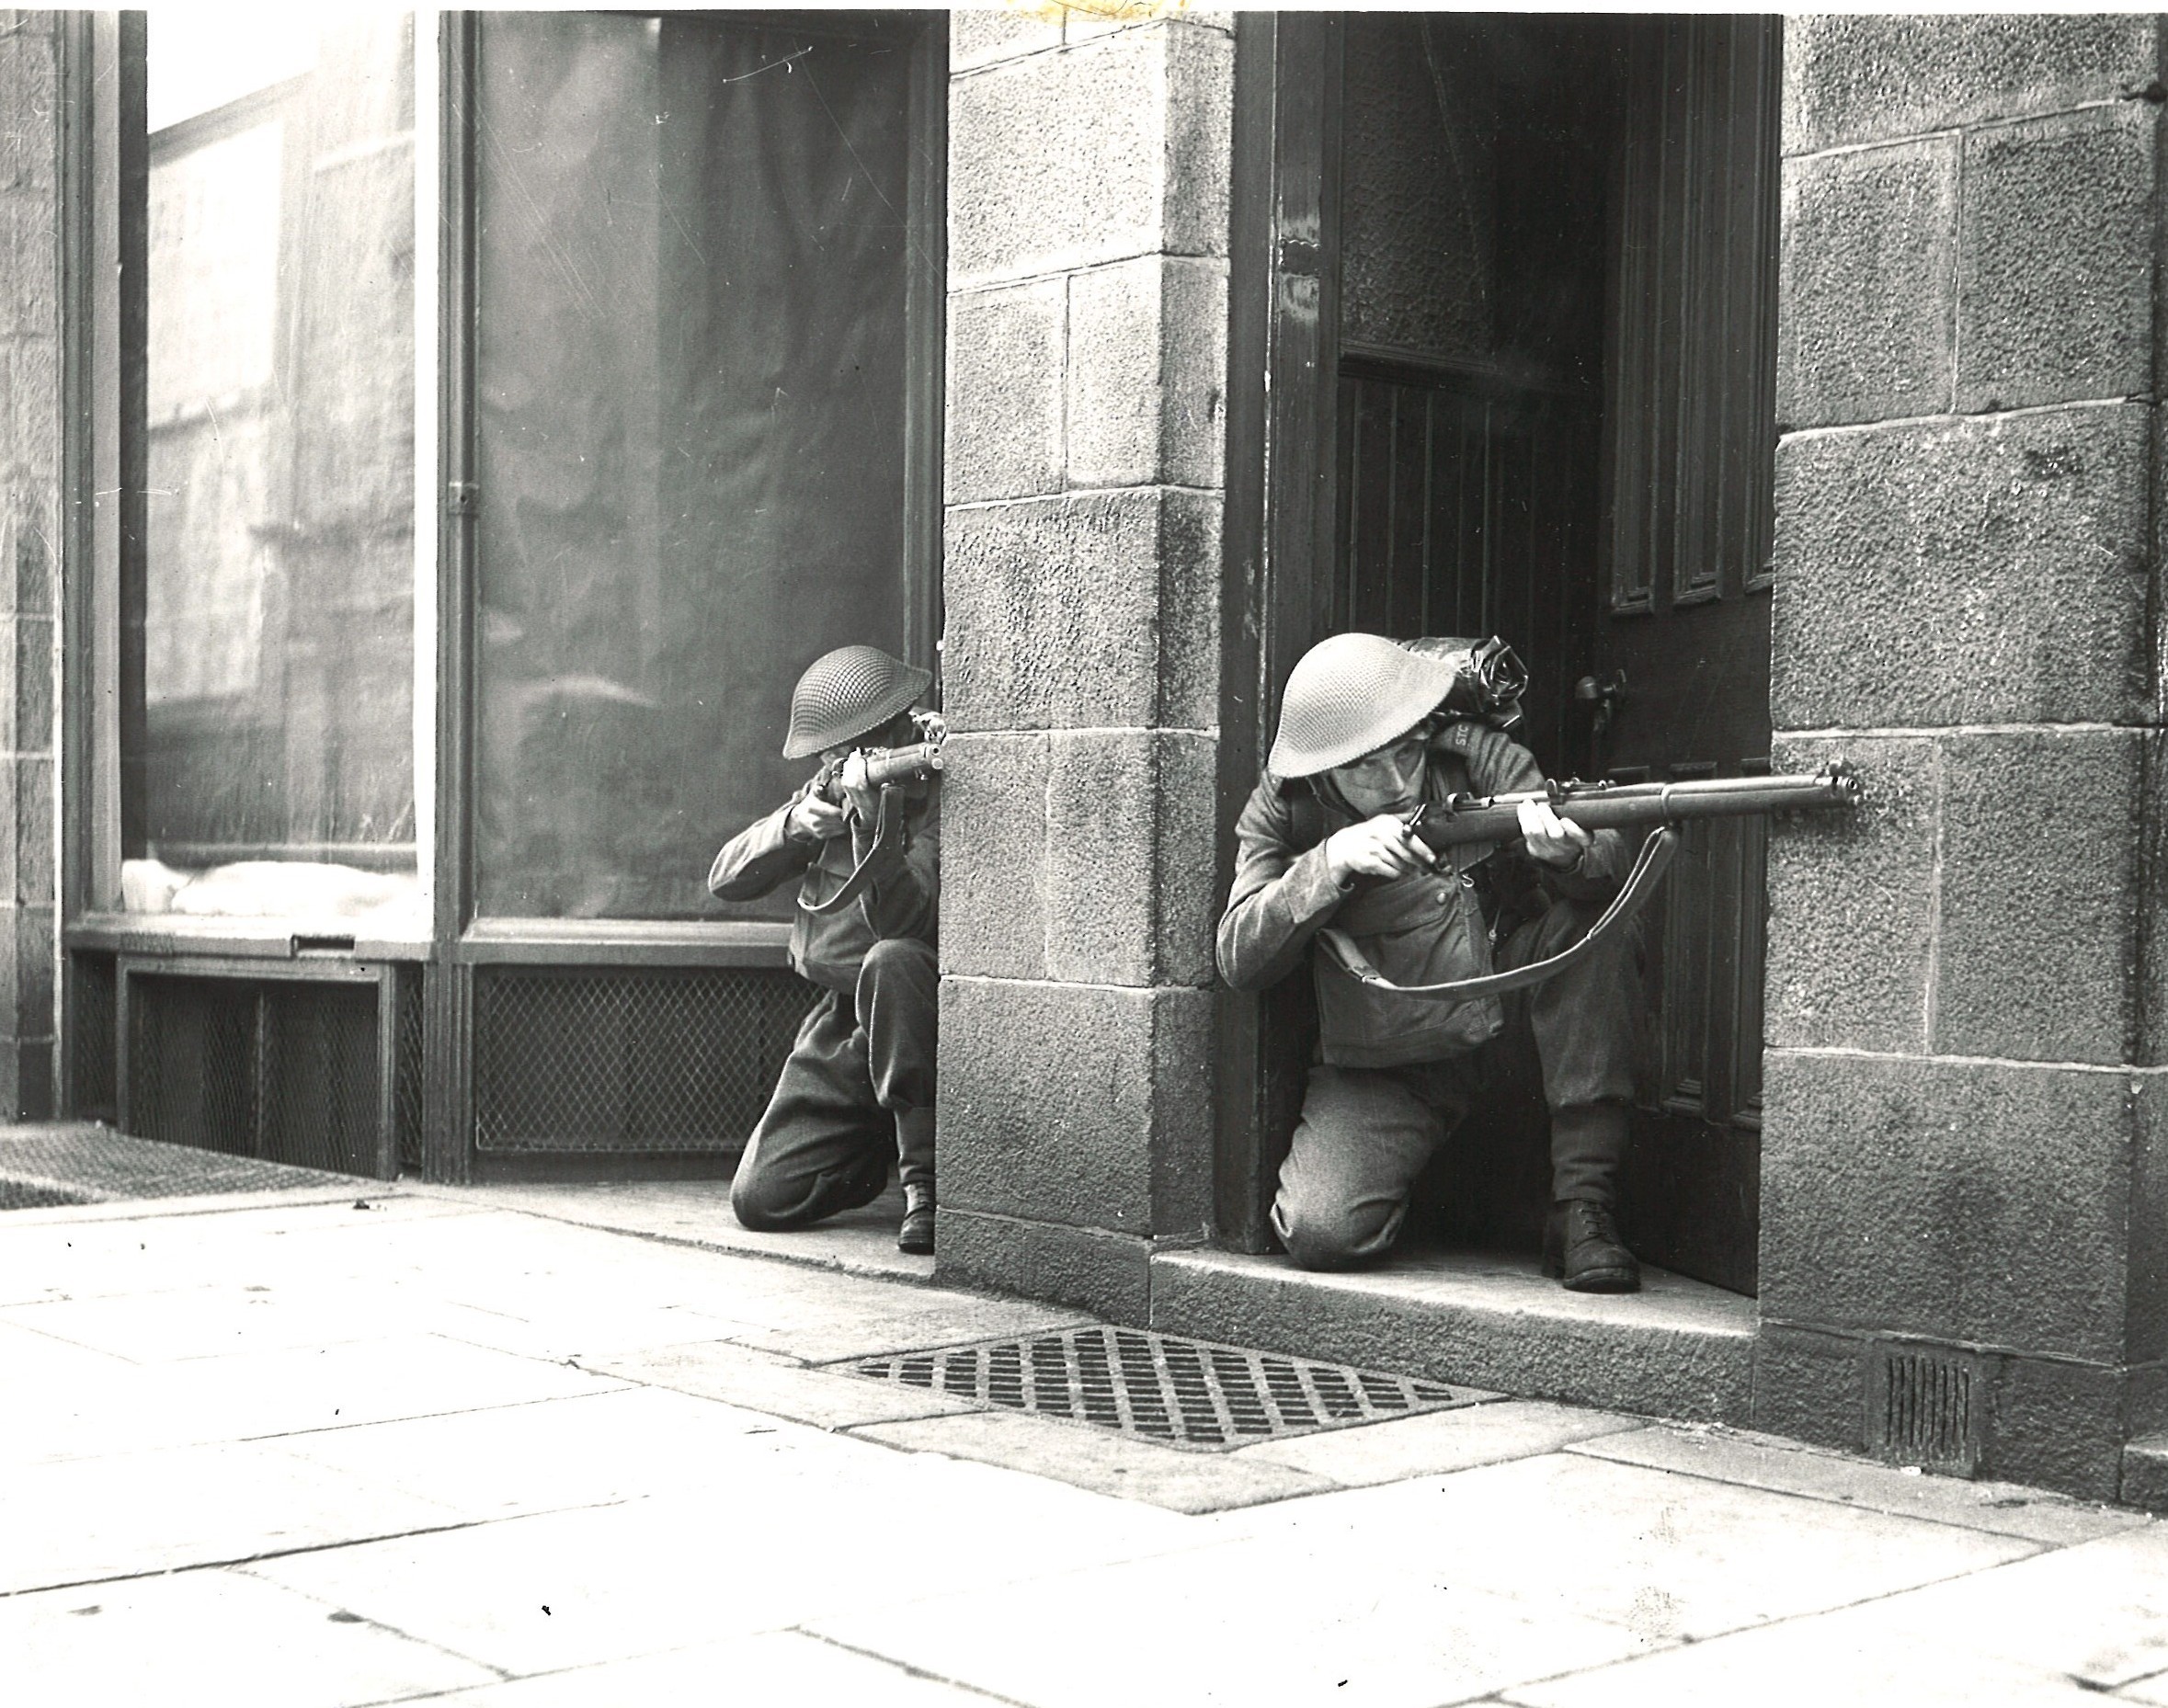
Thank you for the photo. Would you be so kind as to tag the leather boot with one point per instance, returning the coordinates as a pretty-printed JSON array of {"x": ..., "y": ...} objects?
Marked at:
[
  {"x": 915, "y": 1236},
  {"x": 1581, "y": 1247}
]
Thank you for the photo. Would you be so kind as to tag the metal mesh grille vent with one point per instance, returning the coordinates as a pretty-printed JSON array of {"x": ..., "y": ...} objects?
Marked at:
[
  {"x": 1183, "y": 1393},
  {"x": 406, "y": 1069},
  {"x": 44, "y": 1165},
  {"x": 646, "y": 1061},
  {"x": 285, "y": 1072},
  {"x": 93, "y": 1089},
  {"x": 1926, "y": 1409}
]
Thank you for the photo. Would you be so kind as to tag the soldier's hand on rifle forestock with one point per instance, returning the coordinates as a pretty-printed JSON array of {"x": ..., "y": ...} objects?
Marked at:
[
  {"x": 865, "y": 799},
  {"x": 1377, "y": 848},
  {"x": 814, "y": 820},
  {"x": 1553, "y": 840}
]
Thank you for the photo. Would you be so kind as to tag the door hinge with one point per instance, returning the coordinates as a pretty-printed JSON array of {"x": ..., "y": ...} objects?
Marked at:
[{"x": 460, "y": 497}]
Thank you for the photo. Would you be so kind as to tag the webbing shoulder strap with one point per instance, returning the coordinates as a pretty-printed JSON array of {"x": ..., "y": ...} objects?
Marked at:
[
  {"x": 1648, "y": 872},
  {"x": 880, "y": 860}
]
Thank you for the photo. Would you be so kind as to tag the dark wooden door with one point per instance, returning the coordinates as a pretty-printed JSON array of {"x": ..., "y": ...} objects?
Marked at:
[{"x": 1683, "y": 633}]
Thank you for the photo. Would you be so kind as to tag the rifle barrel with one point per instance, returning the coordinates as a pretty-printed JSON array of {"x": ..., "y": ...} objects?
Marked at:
[{"x": 1600, "y": 807}]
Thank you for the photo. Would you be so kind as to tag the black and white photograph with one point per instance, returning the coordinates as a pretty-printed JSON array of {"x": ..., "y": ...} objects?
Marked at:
[{"x": 1083, "y": 854}]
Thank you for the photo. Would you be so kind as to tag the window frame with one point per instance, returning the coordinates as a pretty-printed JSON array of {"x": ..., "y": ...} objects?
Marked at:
[{"x": 105, "y": 250}]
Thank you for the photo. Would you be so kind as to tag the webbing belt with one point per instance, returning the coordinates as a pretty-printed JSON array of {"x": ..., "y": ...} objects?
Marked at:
[{"x": 1641, "y": 882}]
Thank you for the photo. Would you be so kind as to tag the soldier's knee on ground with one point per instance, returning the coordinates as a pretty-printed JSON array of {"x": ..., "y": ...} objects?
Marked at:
[
  {"x": 1336, "y": 1237},
  {"x": 754, "y": 1203}
]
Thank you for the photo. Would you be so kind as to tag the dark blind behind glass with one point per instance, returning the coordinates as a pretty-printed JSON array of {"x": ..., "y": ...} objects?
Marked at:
[{"x": 691, "y": 380}]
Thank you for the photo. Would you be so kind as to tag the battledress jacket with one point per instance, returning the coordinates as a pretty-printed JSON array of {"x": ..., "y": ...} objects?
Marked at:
[
  {"x": 903, "y": 901},
  {"x": 1423, "y": 928}
]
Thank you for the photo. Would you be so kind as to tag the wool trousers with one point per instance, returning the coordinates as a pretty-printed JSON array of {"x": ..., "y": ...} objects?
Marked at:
[
  {"x": 1365, "y": 1133},
  {"x": 857, "y": 1090}
]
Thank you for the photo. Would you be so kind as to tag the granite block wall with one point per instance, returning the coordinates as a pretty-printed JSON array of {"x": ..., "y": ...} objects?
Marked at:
[
  {"x": 1963, "y": 1042},
  {"x": 30, "y": 533},
  {"x": 1088, "y": 226}
]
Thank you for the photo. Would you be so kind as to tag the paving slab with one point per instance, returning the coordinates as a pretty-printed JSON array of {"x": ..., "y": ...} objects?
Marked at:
[
  {"x": 221, "y": 1320},
  {"x": 784, "y": 1667},
  {"x": 858, "y": 1242},
  {"x": 78, "y": 1520},
  {"x": 554, "y": 1454},
  {"x": 1666, "y": 1557},
  {"x": 2062, "y": 1627},
  {"x": 797, "y": 1534},
  {"x": 145, "y": 1248},
  {"x": 262, "y": 1394},
  {"x": 210, "y": 1639},
  {"x": 1768, "y": 1461},
  {"x": 1439, "y": 1442},
  {"x": 942, "y": 1318},
  {"x": 1100, "y": 1460},
  {"x": 1259, "y": 1626},
  {"x": 763, "y": 1382},
  {"x": 585, "y": 1328}
]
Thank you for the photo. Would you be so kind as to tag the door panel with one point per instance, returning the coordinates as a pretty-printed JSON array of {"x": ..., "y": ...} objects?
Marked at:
[
  {"x": 1688, "y": 519},
  {"x": 1469, "y": 510}
]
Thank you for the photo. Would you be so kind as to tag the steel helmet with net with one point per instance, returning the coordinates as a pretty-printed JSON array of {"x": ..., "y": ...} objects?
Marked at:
[
  {"x": 848, "y": 693},
  {"x": 1350, "y": 695}
]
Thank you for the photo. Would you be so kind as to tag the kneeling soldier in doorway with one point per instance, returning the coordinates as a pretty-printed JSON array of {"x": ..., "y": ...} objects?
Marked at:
[
  {"x": 1324, "y": 846},
  {"x": 859, "y": 1084}
]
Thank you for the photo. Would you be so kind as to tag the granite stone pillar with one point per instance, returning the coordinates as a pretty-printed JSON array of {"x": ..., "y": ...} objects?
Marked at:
[
  {"x": 1088, "y": 222},
  {"x": 1962, "y": 1243},
  {"x": 30, "y": 531}
]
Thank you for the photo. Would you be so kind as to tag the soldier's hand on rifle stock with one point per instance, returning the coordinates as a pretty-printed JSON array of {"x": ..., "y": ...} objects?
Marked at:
[
  {"x": 1554, "y": 841},
  {"x": 815, "y": 820},
  {"x": 1377, "y": 848}
]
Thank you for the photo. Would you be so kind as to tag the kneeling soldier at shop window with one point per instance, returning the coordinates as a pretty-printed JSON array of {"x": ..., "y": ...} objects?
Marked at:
[
  {"x": 1364, "y": 739},
  {"x": 858, "y": 1088}
]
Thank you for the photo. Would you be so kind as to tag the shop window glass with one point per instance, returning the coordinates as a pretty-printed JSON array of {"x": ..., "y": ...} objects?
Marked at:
[
  {"x": 267, "y": 683},
  {"x": 690, "y": 397}
]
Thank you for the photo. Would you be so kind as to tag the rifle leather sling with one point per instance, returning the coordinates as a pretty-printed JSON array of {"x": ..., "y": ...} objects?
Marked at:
[
  {"x": 881, "y": 859},
  {"x": 1648, "y": 872}
]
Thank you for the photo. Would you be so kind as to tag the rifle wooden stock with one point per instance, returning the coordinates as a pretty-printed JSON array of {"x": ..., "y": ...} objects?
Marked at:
[{"x": 1600, "y": 807}]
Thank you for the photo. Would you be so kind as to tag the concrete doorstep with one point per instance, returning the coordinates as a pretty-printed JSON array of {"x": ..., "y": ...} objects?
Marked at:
[{"x": 423, "y": 1446}]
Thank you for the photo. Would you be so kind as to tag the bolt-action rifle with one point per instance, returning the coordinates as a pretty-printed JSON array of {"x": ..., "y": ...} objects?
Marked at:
[
  {"x": 1465, "y": 818},
  {"x": 886, "y": 768}
]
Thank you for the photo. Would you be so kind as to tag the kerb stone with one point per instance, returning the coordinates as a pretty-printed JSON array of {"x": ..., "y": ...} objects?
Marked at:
[{"x": 1107, "y": 1274}]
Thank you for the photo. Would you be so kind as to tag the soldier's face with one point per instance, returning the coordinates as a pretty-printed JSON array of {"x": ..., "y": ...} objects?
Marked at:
[{"x": 1387, "y": 779}]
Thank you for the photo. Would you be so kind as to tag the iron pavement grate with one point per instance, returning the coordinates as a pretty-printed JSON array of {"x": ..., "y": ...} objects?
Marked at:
[
  {"x": 42, "y": 1166},
  {"x": 1167, "y": 1388}
]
